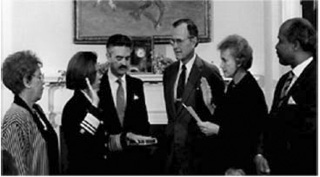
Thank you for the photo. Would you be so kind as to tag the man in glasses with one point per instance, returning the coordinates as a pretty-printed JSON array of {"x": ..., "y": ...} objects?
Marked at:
[{"x": 187, "y": 148}]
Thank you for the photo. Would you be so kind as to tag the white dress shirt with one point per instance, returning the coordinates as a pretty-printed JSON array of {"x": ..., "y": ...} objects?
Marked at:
[{"x": 298, "y": 70}]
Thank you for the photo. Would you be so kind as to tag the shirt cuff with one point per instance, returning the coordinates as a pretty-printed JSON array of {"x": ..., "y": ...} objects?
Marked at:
[{"x": 90, "y": 124}]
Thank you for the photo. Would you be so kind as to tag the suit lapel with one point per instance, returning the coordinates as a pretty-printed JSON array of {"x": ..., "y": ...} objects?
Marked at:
[
  {"x": 106, "y": 90},
  {"x": 277, "y": 93},
  {"x": 106, "y": 99},
  {"x": 130, "y": 92},
  {"x": 192, "y": 84},
  {"x": 294, "y": 88},
  {"x": 172, "y": 76}
]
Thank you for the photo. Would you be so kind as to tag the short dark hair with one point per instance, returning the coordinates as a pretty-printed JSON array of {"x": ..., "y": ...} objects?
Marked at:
[
  {"x": 17, "y": 66},
  {"x": 191, "y": 26},
  {"x": 240, "y": 49},
  {"x": 119, "y": 40},
  {"x": 301, "y": 30},
  {"x": 80, "y": 66}
]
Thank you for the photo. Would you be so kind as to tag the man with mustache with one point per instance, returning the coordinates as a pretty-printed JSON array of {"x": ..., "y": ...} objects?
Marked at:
[
  {"x": 189, "y": 151},
  {"x": 123, "y": 103}
]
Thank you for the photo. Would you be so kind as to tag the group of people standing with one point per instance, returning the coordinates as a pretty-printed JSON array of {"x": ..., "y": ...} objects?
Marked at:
[{"x": 106, "y": 118}]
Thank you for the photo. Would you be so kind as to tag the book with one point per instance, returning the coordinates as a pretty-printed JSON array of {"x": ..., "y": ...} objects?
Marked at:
[{"x": 146, "y": 142}]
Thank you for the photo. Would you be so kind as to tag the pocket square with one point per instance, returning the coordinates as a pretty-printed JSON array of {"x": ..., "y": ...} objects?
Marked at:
[
  {"x": 135, "y": 97},
  {"x": 291, "y": 101}
]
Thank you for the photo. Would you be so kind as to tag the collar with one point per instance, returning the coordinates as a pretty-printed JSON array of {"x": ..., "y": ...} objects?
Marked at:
[
  {"x": 299, "y": 69},
  {"x": 189, "y": 64},
  {"x": 113, "y": 78}
]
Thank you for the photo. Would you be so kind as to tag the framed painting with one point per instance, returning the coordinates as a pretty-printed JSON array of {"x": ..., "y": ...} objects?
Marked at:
[{"x": 95, "y": 20}]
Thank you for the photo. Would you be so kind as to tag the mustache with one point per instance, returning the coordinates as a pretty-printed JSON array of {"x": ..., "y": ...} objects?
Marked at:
[{"x": 123, "y": 67}]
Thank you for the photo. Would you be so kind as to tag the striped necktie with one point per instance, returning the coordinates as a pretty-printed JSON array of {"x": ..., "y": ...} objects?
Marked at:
[
  {"x": 120, "y": 101},
  {"x": 285, "y": 88}
]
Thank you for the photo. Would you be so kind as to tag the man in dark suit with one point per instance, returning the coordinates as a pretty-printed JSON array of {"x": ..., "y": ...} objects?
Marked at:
[
  {"x": 187, "y": 147},
  {"x": 290, "y": 141},
  {"x": 123, "y": 103}
]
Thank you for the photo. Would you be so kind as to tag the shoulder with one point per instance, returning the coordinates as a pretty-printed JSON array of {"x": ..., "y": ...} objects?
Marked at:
[
  {"x": 133, "y": 80},
  {"x": 17, "y": 113},
  {"x": 76, "y": 104},
  {"x": 171, "y": 67},
  {"x": 310, "y": 72},
  {"x": 251, "y": 87},
  {"x": 104, "y": 80},
  {"x": 208, "y": 70},
  {"x": 18, "y": 117},
  {"x": 207, "y": 66}
]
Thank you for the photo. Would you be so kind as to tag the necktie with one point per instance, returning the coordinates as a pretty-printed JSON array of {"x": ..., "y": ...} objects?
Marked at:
[
  {"x": 120, "y": 101},
  {"x": 285, "y": 88},
  {"x": 181, "y": 83}
]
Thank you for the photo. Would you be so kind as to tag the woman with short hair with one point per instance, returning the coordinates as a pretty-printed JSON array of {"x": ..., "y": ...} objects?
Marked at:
[
  {"x": 83, "y": 129},
  {"x": 26, "y": 132},
  {"x": 243, "y": 110}
]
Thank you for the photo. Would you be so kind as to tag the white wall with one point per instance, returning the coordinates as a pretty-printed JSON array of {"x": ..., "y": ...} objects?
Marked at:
[{"x": 46, "y": 27}]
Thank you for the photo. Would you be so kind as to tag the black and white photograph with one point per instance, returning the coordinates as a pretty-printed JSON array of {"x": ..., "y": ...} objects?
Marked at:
[{"x": 159, "y": 87}]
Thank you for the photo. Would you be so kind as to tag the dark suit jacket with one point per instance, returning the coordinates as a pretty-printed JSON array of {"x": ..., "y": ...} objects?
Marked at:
[
  {"x": 242, "y": 115},
  {"x": 291, "y": 142},
  {"x": 186, "y": 145},
  {"x": 82, "y": 152},
  {"x": 135, "y": 121}
]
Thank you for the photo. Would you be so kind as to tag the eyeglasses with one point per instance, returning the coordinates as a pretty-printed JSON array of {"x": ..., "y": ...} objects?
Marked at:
[
  {"x": 179, "y": 41},
  {"x": 40, "y": 76}
]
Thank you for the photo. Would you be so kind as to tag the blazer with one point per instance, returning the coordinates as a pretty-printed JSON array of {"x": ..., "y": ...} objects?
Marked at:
[
  {"x": 84, "y": 150},
  {"x": 135, "y": 120},
  {"x": 291, "y": 142},
  {"x": 242, "y": 115},
  {"x": 186, "y": 145}
]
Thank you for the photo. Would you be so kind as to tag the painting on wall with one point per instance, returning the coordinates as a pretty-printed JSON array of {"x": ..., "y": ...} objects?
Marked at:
[{"x": 96, "y": 20}]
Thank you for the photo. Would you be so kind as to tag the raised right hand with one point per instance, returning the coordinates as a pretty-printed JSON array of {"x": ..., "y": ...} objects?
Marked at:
[
  {"x": 207, "y": 95},
  {"x": 92, "y": 93},
  {"x": 206, "y": 91}
]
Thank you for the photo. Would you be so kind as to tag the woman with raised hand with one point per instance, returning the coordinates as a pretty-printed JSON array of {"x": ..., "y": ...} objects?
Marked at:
[
  {"x": 26, "y": 133},
  {"x": 84, "y": 130},
  {"x": 240, "y": 118}
]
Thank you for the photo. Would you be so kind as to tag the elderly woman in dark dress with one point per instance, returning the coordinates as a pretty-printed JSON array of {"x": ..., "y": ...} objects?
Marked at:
[{"x": 241, "y": 116}]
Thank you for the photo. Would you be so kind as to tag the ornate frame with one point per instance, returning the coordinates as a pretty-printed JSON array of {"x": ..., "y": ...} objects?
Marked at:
[{"x": 95, "y": 20}]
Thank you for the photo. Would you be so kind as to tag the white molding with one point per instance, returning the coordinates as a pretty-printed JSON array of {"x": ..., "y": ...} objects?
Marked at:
[{"x": 144, "y": 77}]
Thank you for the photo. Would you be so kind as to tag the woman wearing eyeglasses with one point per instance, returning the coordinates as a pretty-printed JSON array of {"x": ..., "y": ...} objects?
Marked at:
[{"x": 26, "y": 133}]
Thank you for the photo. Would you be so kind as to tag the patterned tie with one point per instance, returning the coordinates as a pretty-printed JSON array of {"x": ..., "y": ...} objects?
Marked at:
[
  {"x": 181, "y": 83},
  {"x": 285, "y": 88},
  {"x": 120, "y": 101}
]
